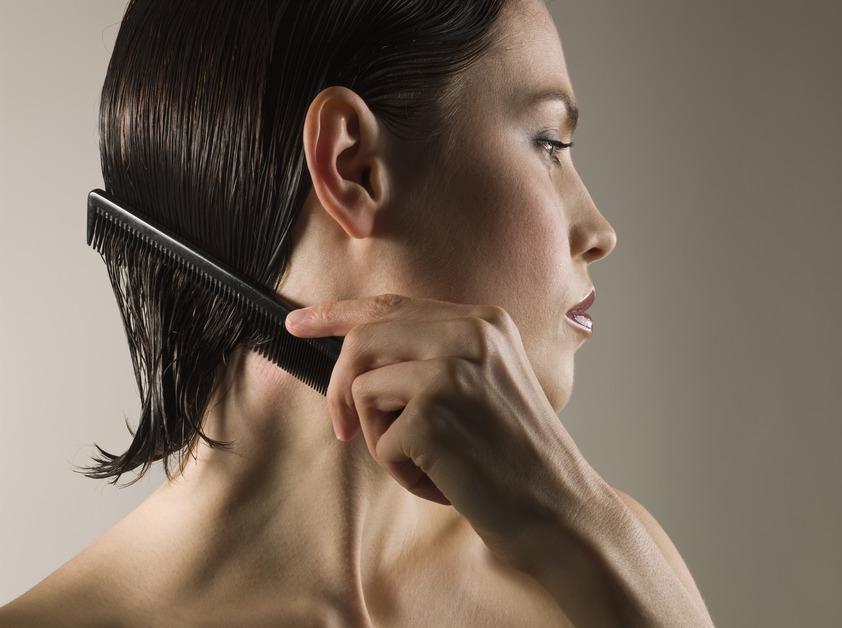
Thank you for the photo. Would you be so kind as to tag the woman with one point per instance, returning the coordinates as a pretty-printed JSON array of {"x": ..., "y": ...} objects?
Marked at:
[{"x": 396, "y": 163}]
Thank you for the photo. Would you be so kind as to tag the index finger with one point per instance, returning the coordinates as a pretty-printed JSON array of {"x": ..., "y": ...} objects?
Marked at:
[{"x": 337, "y": 318}]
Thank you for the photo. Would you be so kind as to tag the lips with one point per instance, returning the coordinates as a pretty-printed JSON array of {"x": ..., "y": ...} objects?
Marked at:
[{"x": 578, "y": 313}]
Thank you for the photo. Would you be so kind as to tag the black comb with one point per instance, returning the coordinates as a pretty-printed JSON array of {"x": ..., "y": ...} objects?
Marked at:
[{"x": 310, "y": 360}]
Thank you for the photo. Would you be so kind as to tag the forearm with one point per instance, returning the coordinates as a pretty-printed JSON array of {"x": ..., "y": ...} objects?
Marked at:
[{"x": 604, "y": 570}]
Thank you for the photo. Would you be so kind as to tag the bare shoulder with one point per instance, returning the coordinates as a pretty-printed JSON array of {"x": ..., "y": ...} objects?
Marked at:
[
  {"x": 62, "y": 599},
  {"x": 32, "y": 609},
  {"x": 15, "y": 615},
  {"x": 664, "y": 543}
]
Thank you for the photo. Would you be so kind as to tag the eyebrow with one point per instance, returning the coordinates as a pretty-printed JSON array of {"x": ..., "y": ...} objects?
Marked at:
[{"x": 557, "y": 94}]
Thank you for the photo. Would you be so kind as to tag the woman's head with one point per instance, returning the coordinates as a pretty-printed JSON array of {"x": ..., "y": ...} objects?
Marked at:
[{"x": 332, "y": 150}]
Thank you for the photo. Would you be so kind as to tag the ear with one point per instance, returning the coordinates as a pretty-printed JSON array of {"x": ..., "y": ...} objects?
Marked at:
[{"x": 344, "y": 148}]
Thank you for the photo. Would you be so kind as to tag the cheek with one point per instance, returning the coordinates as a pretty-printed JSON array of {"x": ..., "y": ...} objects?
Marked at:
[
  {"x": 526, "y": 234},
  {"x": 503, "y": 232},
  {"x": 499, "y": 228}
]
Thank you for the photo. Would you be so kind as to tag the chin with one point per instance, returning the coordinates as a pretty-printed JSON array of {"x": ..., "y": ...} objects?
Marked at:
[
  {"x": 560, "y": 389},
  {"x": 553, "y": 362},
  {"x": 559, "y": 406}
]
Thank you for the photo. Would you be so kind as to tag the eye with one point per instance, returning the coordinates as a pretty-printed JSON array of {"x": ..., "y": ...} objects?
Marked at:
[{"x": 552, "y": 147}]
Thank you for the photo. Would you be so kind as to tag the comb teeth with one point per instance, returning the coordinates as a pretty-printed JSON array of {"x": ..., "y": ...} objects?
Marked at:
[{"x": 311, "y": 360}]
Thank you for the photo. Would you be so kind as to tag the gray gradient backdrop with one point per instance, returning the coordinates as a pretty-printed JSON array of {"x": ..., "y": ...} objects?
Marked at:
[{"x": 710, "y": 138}]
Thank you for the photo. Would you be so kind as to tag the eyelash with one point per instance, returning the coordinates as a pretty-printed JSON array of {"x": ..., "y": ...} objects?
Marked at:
[{"x": 555, "y": 146}]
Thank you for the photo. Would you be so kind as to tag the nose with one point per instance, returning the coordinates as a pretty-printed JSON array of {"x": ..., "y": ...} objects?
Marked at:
[{"x": 592, "y": 237}]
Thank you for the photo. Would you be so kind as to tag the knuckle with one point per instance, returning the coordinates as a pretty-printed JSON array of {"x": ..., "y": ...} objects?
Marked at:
[
  {"x": 497, "y": 316},
  {"x": 384, "y": 303},
  {"x": 485, "y": 337},
  {"x": 483, "y": 329},
  {"x": 320, "y": 317},
  {"x": 359, "y": 389},
  {"x": 323, "y": 312}
]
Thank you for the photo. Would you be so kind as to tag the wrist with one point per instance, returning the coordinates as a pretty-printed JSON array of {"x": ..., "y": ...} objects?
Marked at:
[
  {"x": 571, "y": 533},
  {"x": 570, "y": 554}
]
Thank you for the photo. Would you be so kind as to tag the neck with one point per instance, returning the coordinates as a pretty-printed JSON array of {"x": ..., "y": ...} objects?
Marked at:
[{"x": 290, "y": 502}]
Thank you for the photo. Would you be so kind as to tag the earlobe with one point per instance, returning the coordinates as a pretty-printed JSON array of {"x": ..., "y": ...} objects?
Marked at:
[{"x": 342, "y": 147}]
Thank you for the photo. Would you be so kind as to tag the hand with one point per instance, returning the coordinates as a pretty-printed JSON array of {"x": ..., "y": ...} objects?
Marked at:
[{"x": 450, "y": 406}]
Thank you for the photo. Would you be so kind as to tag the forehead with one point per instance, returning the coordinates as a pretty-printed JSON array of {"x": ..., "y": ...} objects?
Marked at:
[{"x": 526, "y": 58}]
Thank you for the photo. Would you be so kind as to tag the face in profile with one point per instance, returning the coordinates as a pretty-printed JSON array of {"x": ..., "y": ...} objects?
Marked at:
[
  {"x": 505, "y": 217},
  {"x": 500, "y": 216}
]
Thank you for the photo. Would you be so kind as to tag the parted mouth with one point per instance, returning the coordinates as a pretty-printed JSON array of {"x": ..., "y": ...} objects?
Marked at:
[
  {"x": 583, "y": 305},
  {"x": 578, "y": 313}
]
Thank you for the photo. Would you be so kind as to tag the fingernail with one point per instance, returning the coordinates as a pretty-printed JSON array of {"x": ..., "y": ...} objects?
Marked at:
[{"x": 296, "y": 316}]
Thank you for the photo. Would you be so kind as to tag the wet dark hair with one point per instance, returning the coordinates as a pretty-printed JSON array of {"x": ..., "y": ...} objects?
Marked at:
[{"x": 201, "y": 117}]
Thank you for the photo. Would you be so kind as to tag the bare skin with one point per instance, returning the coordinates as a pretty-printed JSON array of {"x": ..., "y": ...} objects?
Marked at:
[{"x": 295, "y": 527}]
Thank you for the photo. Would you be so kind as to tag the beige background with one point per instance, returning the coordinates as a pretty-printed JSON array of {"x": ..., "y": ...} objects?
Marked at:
[{"x": 710, "y": 138}]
